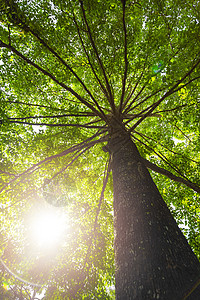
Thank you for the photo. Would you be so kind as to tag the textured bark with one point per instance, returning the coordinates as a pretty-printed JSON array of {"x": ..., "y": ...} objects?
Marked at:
[{"x": 152, "y": 257}]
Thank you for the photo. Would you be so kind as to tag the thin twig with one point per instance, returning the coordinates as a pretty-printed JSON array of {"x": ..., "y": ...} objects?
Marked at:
[{"x": 182, "y": 133}]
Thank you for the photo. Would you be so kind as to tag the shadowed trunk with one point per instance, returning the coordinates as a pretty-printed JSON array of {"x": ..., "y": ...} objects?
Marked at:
[{"x": 152, "y": 257}]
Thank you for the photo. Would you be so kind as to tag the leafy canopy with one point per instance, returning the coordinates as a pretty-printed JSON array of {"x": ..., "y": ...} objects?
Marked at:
[{"x": 66, "y": 68}]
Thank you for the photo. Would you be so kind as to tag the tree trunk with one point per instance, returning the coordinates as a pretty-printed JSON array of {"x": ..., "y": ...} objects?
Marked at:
[{"x": 152, "y": 257}]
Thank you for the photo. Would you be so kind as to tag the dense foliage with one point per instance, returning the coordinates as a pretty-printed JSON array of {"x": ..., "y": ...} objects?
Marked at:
[{"x": 66, "y": 67}]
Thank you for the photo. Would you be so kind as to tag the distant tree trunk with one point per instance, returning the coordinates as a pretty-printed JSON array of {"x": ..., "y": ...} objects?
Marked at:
[{"x": 153, "y": 259}]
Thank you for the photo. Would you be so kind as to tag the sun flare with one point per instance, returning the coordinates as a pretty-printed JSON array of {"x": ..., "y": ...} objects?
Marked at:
[{"x": 48, "y": 228}]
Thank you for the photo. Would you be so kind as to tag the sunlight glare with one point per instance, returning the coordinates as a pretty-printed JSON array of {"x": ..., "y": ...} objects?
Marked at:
[{"x": 48, "y": 228}]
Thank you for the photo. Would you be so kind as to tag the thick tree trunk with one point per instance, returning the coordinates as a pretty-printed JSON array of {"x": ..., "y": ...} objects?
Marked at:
[{"x": 153, "y": 259}]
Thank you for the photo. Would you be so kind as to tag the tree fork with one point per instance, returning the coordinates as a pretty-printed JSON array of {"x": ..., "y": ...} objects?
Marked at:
[{"x": 153, "y": 259}]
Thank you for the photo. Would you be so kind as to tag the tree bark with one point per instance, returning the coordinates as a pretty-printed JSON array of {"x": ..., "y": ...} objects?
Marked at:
[{"x": 153, "y": 259}]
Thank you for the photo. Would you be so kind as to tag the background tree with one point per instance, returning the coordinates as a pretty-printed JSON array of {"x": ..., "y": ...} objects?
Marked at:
[{"x": 75, "y": 75}]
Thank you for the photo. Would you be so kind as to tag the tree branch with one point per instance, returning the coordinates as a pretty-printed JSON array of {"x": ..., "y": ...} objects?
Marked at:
[
  {"x": 35, "y": 34},
  {"x": 131, "y": 117},
  {"x": 125, "y": 58},
  {"x": 177, "y": 107},
  {"x": 173, "y": 177},
  {"x": 67, "y": 66},
  {"x": 87, "y": 143},
  {"x": 87, "y": 125},
  {"x": 7, "y": 173},
  {"x": 184, "y": 85},
  {"x": 32, "y": 104},
  {"x": 157, "y": 142},
  {"x": 167, "y": 94},
  {"x": 105, "y": 181},
  {"x": 134, "y": 99},
  {"x": 163, "y": 157},
  {"x": 110, "y": 98},
  {"x": 182, "y": 133},
  {"x": 89, "y": 114},
  {"x": 27, "y": 60},
  {"x": 70, "y": 163},
  {"x": 143, "y": 111},
  {"x": 136, "y": 84},
  {"x": 90, "y": 63}
]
